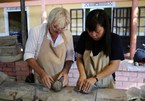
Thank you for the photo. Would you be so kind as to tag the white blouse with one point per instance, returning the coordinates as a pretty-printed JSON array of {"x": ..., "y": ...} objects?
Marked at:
[{"x": 35, "y": 39}]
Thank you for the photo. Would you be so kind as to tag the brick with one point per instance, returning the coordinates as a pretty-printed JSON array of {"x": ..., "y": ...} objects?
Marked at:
[
  {"x": 135, "y": 80},
  {"x": 21, "y": 64},
  {"x": 1, "y": 69},
  {"x": 130, "y": 74},
  {"x": 70, "y": 75},
  {"x": 118, "y": 83},
  {"x": 141, "y": 75},
  {"x": 71, "y": 84},
  {"x": 10, "y": 64},
  {"x": 17, "y": 68},
  {"x": 121, "y": 78},
  {"x": 25, "y": 69},
  {"x": 8, "y": 69},
  {"x": 118, "y": 73},
  {"x": 127, "y": 85},
  {"x": 22, "y": 73},
  {"x": 72, "y": 81},
  {"x": 76, "y": 75},
  {"x": 122, "y": 68},
  {"x": 3, "y": 65},
  {"x": 74, "y": 70}
]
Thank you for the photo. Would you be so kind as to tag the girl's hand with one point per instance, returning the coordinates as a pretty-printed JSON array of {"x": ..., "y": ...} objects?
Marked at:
[
  {"x": 80, "y": 82},
  {"x": 88, "y": 83}
]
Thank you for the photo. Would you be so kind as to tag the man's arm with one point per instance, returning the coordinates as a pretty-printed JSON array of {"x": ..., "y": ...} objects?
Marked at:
[
  {"x": 67, "y": 66},
  {"x": 46, "y": 80},
  {"x": 33, "y": 64}
]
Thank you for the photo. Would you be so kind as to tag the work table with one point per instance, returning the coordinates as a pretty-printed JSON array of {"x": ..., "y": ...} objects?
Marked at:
[{"x": 10, "y": 91}]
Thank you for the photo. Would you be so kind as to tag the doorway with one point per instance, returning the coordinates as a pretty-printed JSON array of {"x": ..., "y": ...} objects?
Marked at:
[
  {"x": 14, "y": 24},
  {"x": 12, "y": 16}
]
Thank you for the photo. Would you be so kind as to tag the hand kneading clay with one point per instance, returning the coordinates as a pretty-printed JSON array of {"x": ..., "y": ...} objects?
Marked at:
[{"x": 58, "y": 85}]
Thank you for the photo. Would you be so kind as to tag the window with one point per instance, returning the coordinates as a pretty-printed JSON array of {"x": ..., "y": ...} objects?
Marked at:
[
  {"x": 141, "y": 21},
  {"x": 76, "y": 21},
  {"x": 121, "y": 21},
  {"x": 12, "y": 18},
  {"x": 141, "y": 28},
  {"x": 122, "y": 26}
]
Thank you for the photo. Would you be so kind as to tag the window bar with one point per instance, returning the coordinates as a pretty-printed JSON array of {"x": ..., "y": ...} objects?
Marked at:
[
  {"x": 76, "y": 22},
  {"x": 119, "y": 20},
  {"x": 139, "y": 21},
  {"x": 123, "y": 22},
  {"x": 116, "y": 19}
]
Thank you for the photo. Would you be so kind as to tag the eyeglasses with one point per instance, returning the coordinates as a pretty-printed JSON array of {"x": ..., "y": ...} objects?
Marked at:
[{"x": 57, "y": 28}]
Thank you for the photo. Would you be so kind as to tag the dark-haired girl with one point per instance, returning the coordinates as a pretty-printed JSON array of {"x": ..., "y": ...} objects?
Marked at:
[{"x": 99, "y": 52}]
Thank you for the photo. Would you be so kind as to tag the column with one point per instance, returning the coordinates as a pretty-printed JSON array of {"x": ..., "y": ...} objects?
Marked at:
[
  {"x": 134, "y": 23},
  {"x": 44, "y": 13}
]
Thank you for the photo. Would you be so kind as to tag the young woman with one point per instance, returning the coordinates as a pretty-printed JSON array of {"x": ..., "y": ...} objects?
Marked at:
[{"x": 99, "y": 53}]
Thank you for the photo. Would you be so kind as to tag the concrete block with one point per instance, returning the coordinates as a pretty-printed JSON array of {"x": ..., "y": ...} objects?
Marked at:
[
  {"x": 3, "y": 77},
  {"x": 11, "y": 58},
  {"x": 8, "y": 40},
  {"x": 9, "y": 50}
]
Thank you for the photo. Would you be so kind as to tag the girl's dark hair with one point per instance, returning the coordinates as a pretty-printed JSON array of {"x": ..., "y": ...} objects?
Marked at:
[{"x": 100, "y": 17}]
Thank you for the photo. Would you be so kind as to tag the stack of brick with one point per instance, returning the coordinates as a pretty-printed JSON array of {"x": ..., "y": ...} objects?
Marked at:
[
  {"x": 11, "y": 58},
  {"x": 129, "y": 75},
  {"x": 19, "y": 70}
]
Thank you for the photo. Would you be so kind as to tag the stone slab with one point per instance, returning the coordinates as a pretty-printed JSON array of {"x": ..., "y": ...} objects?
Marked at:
[
  {"x": 10, "y": 50},
  {"x": 27, "y": 92},
  {"x": 8, "y": 40},
  {"x": 3, "y": 77},
  {"x": 11, "y": 58}
]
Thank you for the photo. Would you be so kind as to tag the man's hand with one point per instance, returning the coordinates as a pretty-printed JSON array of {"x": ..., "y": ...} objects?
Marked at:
[
  {"x": 65, "y": 78},
  {"x": 46, "y": 80}
]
